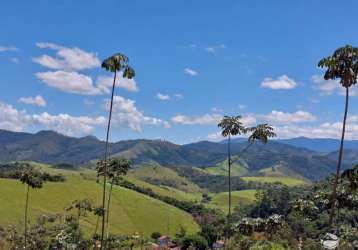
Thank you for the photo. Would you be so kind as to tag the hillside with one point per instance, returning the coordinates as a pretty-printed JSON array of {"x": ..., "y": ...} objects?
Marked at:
[
  {"x": 53, "y": 148},
  {"x": 132, "y": 211}
]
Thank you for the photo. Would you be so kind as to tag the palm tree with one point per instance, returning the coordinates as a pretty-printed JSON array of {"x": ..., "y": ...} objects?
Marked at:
[
  {"x": 115, "y": 169},
  {"x": 231, "y": 126},
  {"x": 32, "y": 178},
  {"x": 343, "y": 64},
  {"x": 116, "y": 63},
  {"x": 262, "y": 133},
  {"x": 82, "y": 206}
]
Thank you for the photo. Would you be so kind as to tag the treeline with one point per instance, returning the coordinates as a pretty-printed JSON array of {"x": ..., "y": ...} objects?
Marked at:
[
  {"x": 217, "y": 183},
  {"x": 187, "y": 206},
  {"x": 16, "y": 169}
]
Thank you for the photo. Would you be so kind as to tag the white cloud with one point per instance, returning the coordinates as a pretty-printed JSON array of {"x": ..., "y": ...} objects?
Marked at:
[
  {"x": 207, "y": 119},
  {"x": 215, "y": 136},
  {"x": 70, "y": 82},
  {"x": 190, "y": 72},
  {"x": 37, "y": 100},
  {"x": 104, "y": 83},
  {"x": 8, "y": 48},
  {"x": 215, "y": 48},
  {"x": 163, "y": 97},
  {"x": 279, "y": 117},
  {"x": 328, "y": 87},
  {"x": 67, "y": 58},
  {"x": 126, "y": 114},
  {"x": 242, "y": 106},
  {"x": 15, "y": 120},
  {"x": 282, "y": 82},
  {"x": 11, "y": 118},
  {"x": 67, "y": 124}
]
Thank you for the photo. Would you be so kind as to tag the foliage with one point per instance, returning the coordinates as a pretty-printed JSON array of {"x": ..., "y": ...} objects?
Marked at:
[{"x": 196, "y": 241}]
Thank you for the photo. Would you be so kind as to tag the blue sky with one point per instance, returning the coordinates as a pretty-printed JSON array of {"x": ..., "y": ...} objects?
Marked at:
[{"x": 195, "y": 61}]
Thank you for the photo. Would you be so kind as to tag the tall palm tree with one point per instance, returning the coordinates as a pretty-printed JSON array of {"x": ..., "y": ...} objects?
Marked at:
[
  {"x": 262, "y": 133},
  {"x": 343, "y": 64},
  {"x": 115, "y": 169},
  {"x": 32, "y": 178},
  {"x": 230, "y": 126},
  {"x": 116, "y": 63}
]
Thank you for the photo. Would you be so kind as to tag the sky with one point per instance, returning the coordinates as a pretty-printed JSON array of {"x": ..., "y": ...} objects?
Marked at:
[{"x": 195, "y": 62}]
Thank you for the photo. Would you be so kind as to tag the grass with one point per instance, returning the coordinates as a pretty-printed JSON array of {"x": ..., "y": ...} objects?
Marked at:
[
  {"x": 289, "y": 181},
  {"x": 167, "y": 191},
  {"x": 237, "y": 169},
  {"x": 221, "y": 200},
  {"x": 164, "y": 177},
  {"x": 131, "y": 212}
]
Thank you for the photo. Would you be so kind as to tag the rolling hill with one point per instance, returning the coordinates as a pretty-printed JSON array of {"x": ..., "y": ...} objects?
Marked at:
[
  {"x": 131, "y": 211},
  {"x": 53, "y": 148}
]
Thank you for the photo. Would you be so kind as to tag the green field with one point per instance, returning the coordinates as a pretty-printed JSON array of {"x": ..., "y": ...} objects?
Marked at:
[
  {"x": 222, "y": 169},
  {"x": 167, "y": 191},
  {"x": 221, "y": 200},
  {"x": 164, "y": 176},
  {"x": 130, "y": 211},
  {"x": 289, "y": 181}
]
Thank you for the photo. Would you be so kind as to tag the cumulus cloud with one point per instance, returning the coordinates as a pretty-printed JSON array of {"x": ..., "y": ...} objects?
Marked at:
[
  {"x": 190, "y": 72},
  {"x": 328, "y": 87},
  {"x": 70, "y": 82},
  {"x": 67, "y": 124},
  {"x": 37, "y": 100},
  {"x": 279, "y": 117},
  {"x": 163, "y": 97},
  {"x": 282, "y": 82},
  {"x": 126, "y": 114},
  {"x": 104, "y": 83},
  {"x": 15, "y": 120},
  {"x": 67, "y": 58},
  {"x": 8, "y": 48},
  {"x": 207, "y": 119},
  {"x": 12, "y": 119}
]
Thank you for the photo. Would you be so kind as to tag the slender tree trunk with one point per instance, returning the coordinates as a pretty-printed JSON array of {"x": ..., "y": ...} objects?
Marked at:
[
  {"x": 336, "y": 180},
  {"x": 26, "y": 208},
  {"x": 109, "y": 202},
  {"x": 229, "y": 162},
  {"x": 105, "y": 162},
  {"x": 97, "y": 222}
]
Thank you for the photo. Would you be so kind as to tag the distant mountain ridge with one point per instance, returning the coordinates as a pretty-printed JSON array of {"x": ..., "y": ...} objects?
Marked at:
[
  {"x": 54, "y": 148},
  {"x": 323, "y": 145}
]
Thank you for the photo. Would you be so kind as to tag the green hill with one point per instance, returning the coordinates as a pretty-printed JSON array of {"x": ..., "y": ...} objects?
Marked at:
[
  {"x": 221, "y": 200},
  {"x": 131, "y": 212},
  {"x": 289, "y": 181},
  {"x": 238, "y": 168},
  {"x": 162, "y": 176}
]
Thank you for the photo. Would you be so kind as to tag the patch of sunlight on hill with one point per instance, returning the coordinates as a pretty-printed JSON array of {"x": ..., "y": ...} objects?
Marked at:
[
  {"x": 131, "y": 211},
  {"x": 164, "y": 176},
  {"x": 221, "y": 200},
  {"x": 289, "y": 181}
]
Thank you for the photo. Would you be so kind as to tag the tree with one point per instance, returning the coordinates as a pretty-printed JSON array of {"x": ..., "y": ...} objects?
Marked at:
[
  {"x": 231, "y": 126},
  {"x": 32, "y": 178},
  {"x": 115, "y": 169},
  {"x": 83, "y": 206},
  {"x": 116, "y": 63},
  {"x": 343, "y": 64}
]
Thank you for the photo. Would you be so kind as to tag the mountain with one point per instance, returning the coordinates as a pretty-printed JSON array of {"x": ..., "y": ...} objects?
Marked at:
[
  {"x": 54, "y": 148},
  {"x": 323, "y": 145}
]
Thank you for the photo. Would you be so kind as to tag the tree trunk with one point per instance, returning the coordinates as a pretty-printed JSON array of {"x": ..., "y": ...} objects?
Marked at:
[
  {"x": 109, "y": 201},
  {"x": 336, "y": 180},
  {"x": 97, "y": 222},
  {"x": 26, "y": 208},
  {"x": 229, "y": 162},
  {"x": 105, "y": 162}
]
